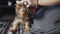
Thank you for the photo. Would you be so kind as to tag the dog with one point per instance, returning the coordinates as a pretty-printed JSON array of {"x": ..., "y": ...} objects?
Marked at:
[{"x": 24, "y": 13}]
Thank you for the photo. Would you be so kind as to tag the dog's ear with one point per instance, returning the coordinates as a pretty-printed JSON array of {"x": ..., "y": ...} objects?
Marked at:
[{"x": 18, "y": 7}]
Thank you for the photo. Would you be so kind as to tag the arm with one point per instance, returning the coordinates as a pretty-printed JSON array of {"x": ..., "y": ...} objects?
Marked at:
[
  {"x": 48, "y": 2},
  {"x": 41, "y": 2}
]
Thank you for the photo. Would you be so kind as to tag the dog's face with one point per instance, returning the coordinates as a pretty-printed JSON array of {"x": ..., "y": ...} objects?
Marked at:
[{"x": 21, "y": 11}]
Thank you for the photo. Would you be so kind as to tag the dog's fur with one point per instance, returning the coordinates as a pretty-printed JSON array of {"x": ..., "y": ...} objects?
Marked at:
[{"x": 24, "y": 17}]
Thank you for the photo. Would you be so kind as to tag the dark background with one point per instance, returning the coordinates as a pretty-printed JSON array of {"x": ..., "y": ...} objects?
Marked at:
[
  {"x": 7, "y": 15},
  {"x": 7, "y": 10}
]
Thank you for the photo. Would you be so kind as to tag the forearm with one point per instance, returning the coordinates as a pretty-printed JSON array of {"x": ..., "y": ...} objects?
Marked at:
[{"x": 48, "y": 2}]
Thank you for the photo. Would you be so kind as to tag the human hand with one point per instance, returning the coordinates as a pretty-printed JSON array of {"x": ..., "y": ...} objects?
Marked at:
[{"x": 22, "y": 2}]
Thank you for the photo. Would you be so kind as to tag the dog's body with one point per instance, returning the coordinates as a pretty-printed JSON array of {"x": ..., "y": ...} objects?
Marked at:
[{"x": 24, "y": 17}]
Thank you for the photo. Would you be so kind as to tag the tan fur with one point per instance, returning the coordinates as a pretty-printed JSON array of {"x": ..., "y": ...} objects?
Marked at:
[{"x": 21, "y": 12}]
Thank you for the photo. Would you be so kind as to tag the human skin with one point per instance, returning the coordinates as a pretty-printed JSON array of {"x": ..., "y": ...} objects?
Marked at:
[
  {"x": 48, "y": 2},
  {"x": 41, "y": 2}
]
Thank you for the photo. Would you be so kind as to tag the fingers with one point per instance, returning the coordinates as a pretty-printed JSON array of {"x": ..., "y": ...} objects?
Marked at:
[
  {"x": 19, "y": 2},
  {"x": 22, "y": 2}
]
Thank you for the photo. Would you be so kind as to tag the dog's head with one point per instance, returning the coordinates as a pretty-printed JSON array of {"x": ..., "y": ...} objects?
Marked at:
[{"x": 22, "y": 12}]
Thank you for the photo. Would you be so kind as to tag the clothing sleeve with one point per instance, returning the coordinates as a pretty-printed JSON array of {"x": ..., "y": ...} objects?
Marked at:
[
  {"x": 52, "y": 16},
  {"x": 48, "y": 22}
]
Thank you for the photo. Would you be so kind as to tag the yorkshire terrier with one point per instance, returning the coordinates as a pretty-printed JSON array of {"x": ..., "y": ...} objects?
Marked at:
[{"x": 24, "y": 13}]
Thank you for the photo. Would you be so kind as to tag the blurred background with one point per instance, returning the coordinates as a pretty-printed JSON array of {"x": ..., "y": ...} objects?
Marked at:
[
  {"x": 7, "y": 14},
  {"x": 7, "y": 9}
]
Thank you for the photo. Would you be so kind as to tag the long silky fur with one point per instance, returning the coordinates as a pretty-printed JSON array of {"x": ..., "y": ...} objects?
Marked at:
[{"x": 21, "y": 12}]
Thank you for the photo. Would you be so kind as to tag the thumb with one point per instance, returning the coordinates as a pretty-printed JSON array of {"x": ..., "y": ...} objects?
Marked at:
[{"x": 19, "y": 2}]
